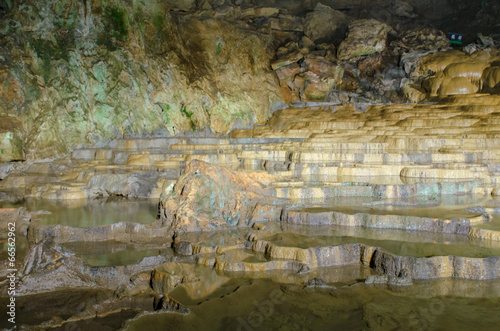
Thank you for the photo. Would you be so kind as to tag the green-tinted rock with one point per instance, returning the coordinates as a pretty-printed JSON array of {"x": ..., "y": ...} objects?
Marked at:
[
  {"x": 83, "y": 72},
  {"x": 11, "y": 140}
]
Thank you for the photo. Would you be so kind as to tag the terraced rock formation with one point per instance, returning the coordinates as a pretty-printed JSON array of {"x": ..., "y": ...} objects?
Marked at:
[{"x": 397, "y": 194}]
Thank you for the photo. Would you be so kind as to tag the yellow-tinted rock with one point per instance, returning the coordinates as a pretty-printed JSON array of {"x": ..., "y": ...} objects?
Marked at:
[
  {"x": 139, "y": 159},
  {"x": 456, "y": 85},
  {"x": 454, "y": 72},
  {"x": 491, "y": 76}
]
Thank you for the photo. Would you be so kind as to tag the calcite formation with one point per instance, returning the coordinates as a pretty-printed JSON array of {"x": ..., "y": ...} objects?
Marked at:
[
  {"x": 81, "y": 73},
  {"x": 454, "y": 72},
  {"x": 262, "y": 209},
  {"x": 207, "y": 197}
]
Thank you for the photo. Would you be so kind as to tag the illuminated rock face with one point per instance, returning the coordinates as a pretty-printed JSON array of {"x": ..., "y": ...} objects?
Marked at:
[
  {"x": 390, "y": 151},
  {"x": 83, "y": 72},
  {"x": 11, "y": 139},
  {"x": 365, "y": 37},
  {"x": 207, "y": 197},
  {"x": 262, "y": 209},
  {"x": 454, "y": 72}
]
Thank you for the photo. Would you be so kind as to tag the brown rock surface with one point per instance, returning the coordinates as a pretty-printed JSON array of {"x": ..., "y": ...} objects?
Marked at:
[
  {"x": 311, "y": 80},
  {"x": 81, "y": 72},
  {"x": 209, "y": 197},
  {"x": 365, "y": 37},
  {"x": 421, "y": 40},
  {"x": 325, "y": 24}
]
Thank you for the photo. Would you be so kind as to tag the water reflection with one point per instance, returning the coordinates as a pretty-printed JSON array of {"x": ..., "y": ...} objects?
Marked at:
[{"x": 92, "y": 212}]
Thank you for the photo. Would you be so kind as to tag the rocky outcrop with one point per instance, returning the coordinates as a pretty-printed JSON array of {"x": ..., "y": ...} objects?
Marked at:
[
  {"x": 208, "y": 197},
  {"x": 123, "y": 231},
  {"x": 365, "y": 37},
  {"x": 11, "y": 138},
  {"x": 48, "y": 267},
  {"x": 426, "y": 39},
  {"x": 308, "y": 74}
]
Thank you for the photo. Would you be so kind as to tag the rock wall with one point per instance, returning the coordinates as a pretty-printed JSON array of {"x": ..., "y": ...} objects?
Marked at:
[{"x": 78, "y": 72}]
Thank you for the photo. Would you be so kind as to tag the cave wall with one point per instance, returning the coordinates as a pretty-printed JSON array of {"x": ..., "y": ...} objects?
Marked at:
[{"x": 78, "y": 72}]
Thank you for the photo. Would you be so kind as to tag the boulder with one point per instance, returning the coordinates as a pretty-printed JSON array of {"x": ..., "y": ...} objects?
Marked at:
[
  {"x": 286, "y": 74},
  {"x": 367, "y": 36},
  {"x": 486, "y": 41},
  {"x": 287, "y": 60},
  {"x": 307, "y": 78},
  {"x": 325, "y": 24},
  {"x": 208, "y": 197},
  {"x": 321, "y": 76}
]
